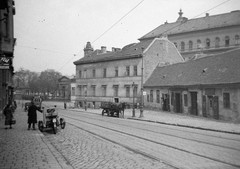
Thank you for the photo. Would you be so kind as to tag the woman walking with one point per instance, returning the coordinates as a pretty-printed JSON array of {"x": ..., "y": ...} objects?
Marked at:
[{"x": 7, "y": 111}]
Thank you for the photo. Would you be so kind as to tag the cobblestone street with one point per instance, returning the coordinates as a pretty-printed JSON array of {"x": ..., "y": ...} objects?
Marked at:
[{"x": 85, "y": 151}]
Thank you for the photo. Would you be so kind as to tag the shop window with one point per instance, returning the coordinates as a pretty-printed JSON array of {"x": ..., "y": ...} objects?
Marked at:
[
  {"x": 158, "y": 96},
  {"x": 151, "y": 95},
  {"x": 227, "y": 41},
  {"x": 226, "y": 100},
  {"x": 208, "y": 43},
  {"x": 237, "y": 40},
  {"x": 185, "y": 100}
]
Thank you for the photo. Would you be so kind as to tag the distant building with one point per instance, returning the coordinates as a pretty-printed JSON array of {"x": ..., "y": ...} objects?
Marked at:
[
  {"x": 208, "y": 35},
  {"x": 7, "y": 42},
  {"x": 64, "y": 88},
  {"x": 208, "y": 87},
  {"x": 115, "y": 76}
]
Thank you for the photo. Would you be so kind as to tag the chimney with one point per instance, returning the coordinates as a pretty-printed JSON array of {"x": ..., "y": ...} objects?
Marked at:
[
  {"x": 207, "y": 14},
  {"x": 103, "y": 49}
]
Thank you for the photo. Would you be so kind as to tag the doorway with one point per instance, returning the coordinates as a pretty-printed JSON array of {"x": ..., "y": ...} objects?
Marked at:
[{"x": 194, "y": 105}]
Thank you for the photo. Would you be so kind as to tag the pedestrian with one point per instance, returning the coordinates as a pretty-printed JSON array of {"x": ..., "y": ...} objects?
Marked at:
[
  {"x": 32, "y": 115},
  {"x": 7, "y": 111}
]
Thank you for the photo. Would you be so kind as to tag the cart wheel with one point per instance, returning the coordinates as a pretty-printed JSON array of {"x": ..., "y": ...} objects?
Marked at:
[
  {"x": 40, "y": 125},
  {"x": 62, "y": 123}
]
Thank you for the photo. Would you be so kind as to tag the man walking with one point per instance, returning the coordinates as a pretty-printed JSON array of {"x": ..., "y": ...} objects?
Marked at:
[{"x": 32, "y": 115}]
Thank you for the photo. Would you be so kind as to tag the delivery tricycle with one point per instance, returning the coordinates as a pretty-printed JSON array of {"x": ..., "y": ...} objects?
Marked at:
[{"x": 51, "y": 120}]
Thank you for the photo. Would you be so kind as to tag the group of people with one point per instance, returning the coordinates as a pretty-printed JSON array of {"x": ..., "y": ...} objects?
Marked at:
[{"x": 32, "y": 115}]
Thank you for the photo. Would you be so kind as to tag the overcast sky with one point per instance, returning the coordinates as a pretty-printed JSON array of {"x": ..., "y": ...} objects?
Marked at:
[{"x": 51, "y": 34}]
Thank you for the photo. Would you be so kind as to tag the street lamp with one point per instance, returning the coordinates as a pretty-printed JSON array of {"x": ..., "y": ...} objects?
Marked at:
[
  {"x": 141, "y": 106},
  {"x": 133, "y": 111}
]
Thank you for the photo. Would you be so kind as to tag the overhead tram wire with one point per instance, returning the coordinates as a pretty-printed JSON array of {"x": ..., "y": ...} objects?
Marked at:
[
  {"x": 118, "y": 21},
  {"x": 107, "y": 30}
]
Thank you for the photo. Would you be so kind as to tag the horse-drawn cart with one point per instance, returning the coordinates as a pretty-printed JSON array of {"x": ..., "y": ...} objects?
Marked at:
[{"x": 113, "y": 109}]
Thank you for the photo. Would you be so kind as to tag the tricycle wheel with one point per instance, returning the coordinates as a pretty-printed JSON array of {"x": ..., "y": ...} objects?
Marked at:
[
  {"x": 40, "y": 125},
  {"x": 62, "y": 123},
  {"x": 54, "y": 128}
]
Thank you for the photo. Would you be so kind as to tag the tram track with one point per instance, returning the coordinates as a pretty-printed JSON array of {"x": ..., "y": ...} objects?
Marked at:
[
  {"x": 176, "y": 136},
  {"x": 145, "y": 139}
]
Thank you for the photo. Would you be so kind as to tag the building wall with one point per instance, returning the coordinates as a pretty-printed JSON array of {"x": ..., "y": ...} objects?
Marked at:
[
  {"x": 231, "y": 113},
  {"x": 152, "y": 57},
  {"x": 231, "y": 32},
  {"x": 7, "y": 42}
]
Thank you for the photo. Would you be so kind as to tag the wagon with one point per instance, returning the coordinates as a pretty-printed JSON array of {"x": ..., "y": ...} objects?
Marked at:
[{"x": 113, "y": 109}]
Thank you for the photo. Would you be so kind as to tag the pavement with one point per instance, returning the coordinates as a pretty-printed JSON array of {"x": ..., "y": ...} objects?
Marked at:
[{"x": 27, "y": 149}]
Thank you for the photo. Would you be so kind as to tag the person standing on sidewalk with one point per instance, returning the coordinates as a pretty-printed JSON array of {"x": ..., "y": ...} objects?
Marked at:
[
  {"x": 32, "y": 115},
  {"x": 7, "y": 111}
]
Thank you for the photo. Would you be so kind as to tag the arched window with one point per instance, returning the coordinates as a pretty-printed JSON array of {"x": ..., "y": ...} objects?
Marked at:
[
  {"x": 199, "y": 44},
  {"x": 190, "y": 43},
  {"x": 182, "y": 46},
  {"x": 217, "y": 42},
  {"x": 208, "y": 43},
  {"x": 237, "y": 40},
  {"x": 227, "y": 41}
]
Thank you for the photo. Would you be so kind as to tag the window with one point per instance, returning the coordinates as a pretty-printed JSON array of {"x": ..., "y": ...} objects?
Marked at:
[
  {"x": 104, "y": 90},
  {"x": 73, "y": 91},
  {"x": 85, "y": 90},
  {"x": 182, "y": 46},
  {"x": 185, "y": 100},
  {"x": 158, "y": 96},
  {"x": 93, "y": 90},
  {"x": 94, "y": 73},
  {"x": 128, "y": 91},
  {"x": 190, "y": 45},
  {"x": 80, "y": 90},
  {"x": 151, "y": 95},
  {"x": 208, "y": 43},
  {"x": 199, "y": 44},
  {"x": 237, "y": 40},
  {"x": 217, "y": 42},
  {"x": 116, "y": 71},
  {"x": 135, "y": 70},
  {"x": 80, "y": 74},
  {"x": 135, "y": 91},
  {"x": 104, "y": 72},
  {"x": 115, "y": 90},
  {"x": 227, "y": 41},
  {"x": 127, "y": 70},
  {"x": 226, "y": 100},
  {"x": 85, "y": 74}
]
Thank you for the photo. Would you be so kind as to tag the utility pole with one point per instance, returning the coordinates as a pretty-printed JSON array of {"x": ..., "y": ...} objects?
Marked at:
[
  {"x": 133, "y": 111},
  {"x": 141, "y": 106}
]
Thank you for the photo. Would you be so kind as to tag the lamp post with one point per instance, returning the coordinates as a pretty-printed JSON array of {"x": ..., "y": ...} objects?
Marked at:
[
  {"x": 133, "y": 111},
  {"x": 141, "y": 106}
]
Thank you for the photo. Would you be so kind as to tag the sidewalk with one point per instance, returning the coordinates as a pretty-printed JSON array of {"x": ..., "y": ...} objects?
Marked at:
[
  {"x": 182, "y": 120},
  {"x": 28, "y": 149}
]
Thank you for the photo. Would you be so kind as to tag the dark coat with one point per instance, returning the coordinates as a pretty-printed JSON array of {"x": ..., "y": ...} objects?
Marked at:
[
  {"x": 32, "y": 113},
  {"x": 8, "y": 115}
]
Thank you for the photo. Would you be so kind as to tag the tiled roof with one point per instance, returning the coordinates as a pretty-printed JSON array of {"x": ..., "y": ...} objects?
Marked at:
[
  {"x": 203, "y": 23},
  {"x": 129, "y": 51},
  {"x": 216, "y": 69}
]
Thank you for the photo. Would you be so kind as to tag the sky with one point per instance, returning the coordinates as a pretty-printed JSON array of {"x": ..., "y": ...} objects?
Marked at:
[{"x": 51, "y": 34}]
